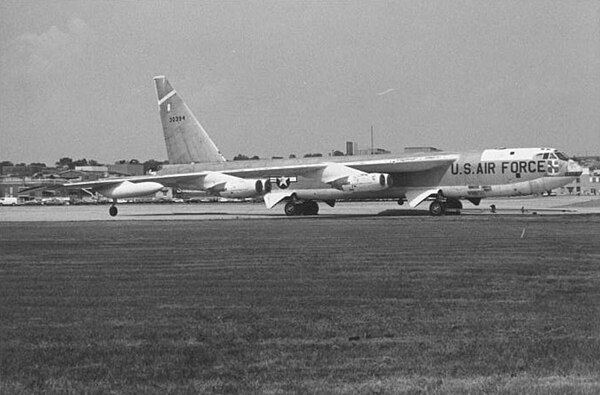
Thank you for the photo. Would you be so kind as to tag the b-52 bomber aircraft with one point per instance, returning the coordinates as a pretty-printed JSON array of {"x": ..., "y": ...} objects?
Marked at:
[{"x": 444, "y": 178}]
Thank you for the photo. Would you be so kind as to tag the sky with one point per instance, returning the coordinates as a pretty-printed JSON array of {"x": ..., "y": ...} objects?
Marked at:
[{"x": 271, "y": 78}]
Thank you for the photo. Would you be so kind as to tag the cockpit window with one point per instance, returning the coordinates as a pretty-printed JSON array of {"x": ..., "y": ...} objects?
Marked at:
[
  {"x": 562, "y": 156},
  {"x": 546, "y": 155}
]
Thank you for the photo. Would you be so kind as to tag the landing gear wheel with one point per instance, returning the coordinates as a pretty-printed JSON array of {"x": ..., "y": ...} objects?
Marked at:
[
  {"x": 292, "y": 209},
  {"x": 310, "y": 208},
  {"x": 437, "y": 208},
  {"x": 113, "y": 211},
  {"x": 453, "y": 206},
  {"x": 454, "y": 203}
]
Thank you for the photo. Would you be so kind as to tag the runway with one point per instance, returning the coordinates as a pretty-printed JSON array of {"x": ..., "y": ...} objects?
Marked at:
[
  {"x": 192, "y": 299},
  {"x": 558, "y": 205}
]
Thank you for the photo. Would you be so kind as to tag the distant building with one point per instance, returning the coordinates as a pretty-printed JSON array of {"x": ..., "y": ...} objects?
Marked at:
[
  {"x": 97, "y": 169},
  {"x": 82, "y": 175},
  {"x": 15, "y": 187},
  {"x": 412, "y": 150},
  {"x": 593, "y": 162},
  {"x": 48, "y": 172},
  {"x": 128, "y": 169},
  {"x": 587, "y": 184},
  {"x": 20, "y": 171},
  {"x": 351, "y": 148},
  {"x": 373, "y": 151},
  {"x": 9, "y": 186}
]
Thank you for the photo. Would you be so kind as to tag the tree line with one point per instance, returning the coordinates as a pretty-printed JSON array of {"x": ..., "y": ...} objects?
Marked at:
[
  {"x": 149, "y": 165},
  {"x": 69, "y": 163}
]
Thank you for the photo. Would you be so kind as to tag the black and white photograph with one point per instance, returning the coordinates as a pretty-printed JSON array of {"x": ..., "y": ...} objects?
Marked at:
[{"x": 299, "y": 197}]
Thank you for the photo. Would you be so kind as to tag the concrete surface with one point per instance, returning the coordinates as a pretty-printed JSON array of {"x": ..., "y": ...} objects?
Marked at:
[{"x": 214, "y": 211}]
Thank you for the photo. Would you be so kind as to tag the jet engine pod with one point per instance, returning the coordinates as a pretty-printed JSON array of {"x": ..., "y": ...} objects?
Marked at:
[
  {"x": 267, "y": 186},
  {"x": 245, "y": 188},
  {"x": 128, "y": 189},
  {"x": 258, "y": 187},
  {"x": 263, "y": 186},
  {"x": 369, "y": 182},
  {"x": 385, "y": 180}
]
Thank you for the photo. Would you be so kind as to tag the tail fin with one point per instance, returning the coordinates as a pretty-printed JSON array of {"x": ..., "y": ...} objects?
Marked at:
[{"x": 186, "y": 139}]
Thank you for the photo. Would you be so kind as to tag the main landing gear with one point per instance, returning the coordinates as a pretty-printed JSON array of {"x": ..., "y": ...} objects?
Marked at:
[
  {"x": 437, "y": 208},
  {"x": 309, "y": 207},
  {"x": 442, "y": 205}
]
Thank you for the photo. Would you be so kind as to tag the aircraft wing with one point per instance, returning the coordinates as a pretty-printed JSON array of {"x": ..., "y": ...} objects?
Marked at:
[
  {"x": 165, "y": 180},
  {"x": 126, "y": 187},
  {"x": 391, "y": 165},
  {"x": 213, "y": 182},
  {"x": 384, "y": 165},
  {"x": 404, "y": 164},
  {"x": 364, "y": 174}
]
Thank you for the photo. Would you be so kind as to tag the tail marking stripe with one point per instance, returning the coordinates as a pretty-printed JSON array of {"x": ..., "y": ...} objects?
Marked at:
[{"x": 166, "y": 97}]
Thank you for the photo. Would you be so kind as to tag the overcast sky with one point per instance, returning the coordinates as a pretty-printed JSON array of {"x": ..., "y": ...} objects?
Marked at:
[{"x": 278, "y": 77}]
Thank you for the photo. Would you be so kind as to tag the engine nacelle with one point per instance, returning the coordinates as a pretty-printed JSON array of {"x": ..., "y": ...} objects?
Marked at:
[
  {"x": 128, "y": 189},
  {"x": 368, "y": 182},
  {"x": 245, "y": 188}
]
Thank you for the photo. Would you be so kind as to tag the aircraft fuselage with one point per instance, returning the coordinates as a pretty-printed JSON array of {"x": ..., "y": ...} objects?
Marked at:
[{"x": 488, "y": 173}]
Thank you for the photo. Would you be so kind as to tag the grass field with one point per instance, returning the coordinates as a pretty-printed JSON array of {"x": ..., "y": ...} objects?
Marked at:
[{"x": 359, "y": 305}]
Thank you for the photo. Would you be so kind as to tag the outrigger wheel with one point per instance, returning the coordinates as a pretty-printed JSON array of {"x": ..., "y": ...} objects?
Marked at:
[{"x": 113, "y": 211}]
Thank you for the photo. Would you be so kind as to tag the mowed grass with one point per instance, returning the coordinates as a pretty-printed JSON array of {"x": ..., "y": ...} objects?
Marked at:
[{"x": 478, "y": 304}]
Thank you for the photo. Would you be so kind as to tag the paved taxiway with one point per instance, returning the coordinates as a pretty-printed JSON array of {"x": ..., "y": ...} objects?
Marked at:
[{"x": 214, "y": 211}]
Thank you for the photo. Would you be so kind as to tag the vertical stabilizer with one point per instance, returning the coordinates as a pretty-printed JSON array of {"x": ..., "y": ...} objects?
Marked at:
[{"x": 186, "y": 139}]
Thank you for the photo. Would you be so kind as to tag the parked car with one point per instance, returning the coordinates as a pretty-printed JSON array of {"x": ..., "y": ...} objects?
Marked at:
[{"x": 9, "y": 201}]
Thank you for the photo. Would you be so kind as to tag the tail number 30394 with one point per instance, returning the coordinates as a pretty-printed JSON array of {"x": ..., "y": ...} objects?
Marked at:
[{"x": 177, "y": 118}]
